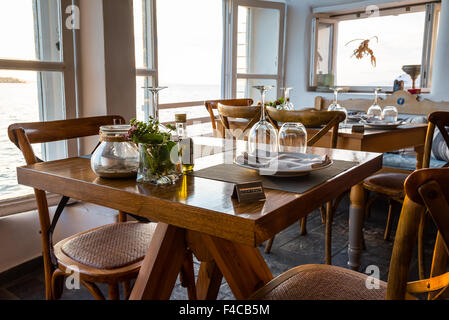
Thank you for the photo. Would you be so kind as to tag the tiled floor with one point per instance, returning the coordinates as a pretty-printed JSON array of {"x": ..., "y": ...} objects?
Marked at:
[{"x": 289, "y": 250}]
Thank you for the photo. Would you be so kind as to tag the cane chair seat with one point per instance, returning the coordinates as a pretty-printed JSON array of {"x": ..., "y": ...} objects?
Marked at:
[
  {"x": 109, "y": 247},
  {"x": 390, "y": 184},
  {"x": 321, "y": 282}
]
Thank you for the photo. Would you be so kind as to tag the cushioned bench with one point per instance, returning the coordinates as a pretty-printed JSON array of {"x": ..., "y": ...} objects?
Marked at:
[{"x": 407, "y": 162}]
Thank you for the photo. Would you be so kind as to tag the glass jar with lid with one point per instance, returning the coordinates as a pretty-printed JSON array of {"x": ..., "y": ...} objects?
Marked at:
[{"x": 116, "y": 156}]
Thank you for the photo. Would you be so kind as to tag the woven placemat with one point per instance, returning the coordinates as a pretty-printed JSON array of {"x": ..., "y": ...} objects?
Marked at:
[{"x": 235, "y": 174}]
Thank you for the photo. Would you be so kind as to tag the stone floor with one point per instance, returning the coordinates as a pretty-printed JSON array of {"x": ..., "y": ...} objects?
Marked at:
[{"x": 289, "y": 250}]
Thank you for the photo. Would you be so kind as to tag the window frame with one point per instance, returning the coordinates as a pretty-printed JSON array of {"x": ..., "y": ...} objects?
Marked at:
[
  {"x": 231, "y": 34},
  {"x": 431, "y": 26},
  {"x": 67, "y": 67}
]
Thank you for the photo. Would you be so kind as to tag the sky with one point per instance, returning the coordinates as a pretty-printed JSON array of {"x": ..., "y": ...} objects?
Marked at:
[{"x": 17, "y": 34}]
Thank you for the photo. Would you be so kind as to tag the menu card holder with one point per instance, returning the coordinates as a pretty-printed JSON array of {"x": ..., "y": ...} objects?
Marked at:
[{"x": 246, "y": 192}]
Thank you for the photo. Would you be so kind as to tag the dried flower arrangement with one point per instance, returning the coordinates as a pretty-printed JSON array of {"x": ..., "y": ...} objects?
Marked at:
[{"x": 364, "y": 50}]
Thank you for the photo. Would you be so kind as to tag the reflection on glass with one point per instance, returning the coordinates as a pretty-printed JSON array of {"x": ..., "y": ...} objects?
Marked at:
[
  {"x": 375, "y": 111},
  {"x": 292, "y": 138},
  {"x": 262, "y": 137}
]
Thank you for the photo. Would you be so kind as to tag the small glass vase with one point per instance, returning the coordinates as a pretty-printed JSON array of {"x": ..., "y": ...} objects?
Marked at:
[{"x": 157, "y": 164}]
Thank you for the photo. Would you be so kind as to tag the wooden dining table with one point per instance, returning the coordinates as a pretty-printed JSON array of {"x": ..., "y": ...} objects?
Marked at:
[{"x": 199, "y": 215}]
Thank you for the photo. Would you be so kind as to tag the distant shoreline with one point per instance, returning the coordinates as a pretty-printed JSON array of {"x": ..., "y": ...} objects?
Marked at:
[{"x": 10, "y": 80}]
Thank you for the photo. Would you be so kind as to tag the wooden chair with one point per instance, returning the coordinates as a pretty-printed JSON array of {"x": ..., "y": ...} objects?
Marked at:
[
  {"x": 391, "y": 184},
  {"x": 425, "y": 190},
  {"x": 313, "y": 118},
  {"x": 212, "y": 104},
  {"x": 250, "y": 115},
  {"x": 110, "y": 254}
]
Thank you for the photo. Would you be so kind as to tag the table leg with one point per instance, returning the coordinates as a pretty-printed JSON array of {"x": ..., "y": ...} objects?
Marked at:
[
  {"x": 419, "y": 156},
  {"x": 243, "y": 267},
  {"x": 161, "y": 265},
  {"x": 356, "y": 217},
  {"x": 209, "y": 281}
]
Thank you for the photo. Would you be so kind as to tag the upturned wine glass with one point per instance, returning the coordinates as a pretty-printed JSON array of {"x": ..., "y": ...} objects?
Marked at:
[
  {"x": 287, "y": 105},
  {"x": 154, "y": 112},
  {"x": 335, "y": 106},
  {"x": 390, "y": 114},
  {"x": 292, "y": 137},
  {"x": 375, "y": 111},
  {"x": 262, "y": 139}
]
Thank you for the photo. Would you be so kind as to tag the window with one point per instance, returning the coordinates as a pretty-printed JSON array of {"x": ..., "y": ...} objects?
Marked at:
[
  {"x": 256, "y": 47},
  {"x": 37, "y": 81},
  {"x": 206, "y": 50},
  {"x": 180, "y": 43},
  {"x": 397, "y": 36}
]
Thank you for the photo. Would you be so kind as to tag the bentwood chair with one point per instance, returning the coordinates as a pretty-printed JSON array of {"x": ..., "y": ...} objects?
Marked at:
[
  {"x": 248, "y": 115},
  {"x": 425, "y": 189},
  {"x": 391, "y": 184},
  {"x": 111, "y": 254},
  {"x": 211, "y": 105},
  {"x": 313, "y": 118}
]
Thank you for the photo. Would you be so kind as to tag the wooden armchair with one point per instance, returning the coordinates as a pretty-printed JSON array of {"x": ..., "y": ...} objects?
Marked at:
[
  {"x": 391, "y": 184},
  {"x": 97, "y": 258},
  {"x": 212, "y": 104},
  {"x": 425, "y": 190},
  {"x": 250, "y": 115},
  {"x": 313, "y": 118}
]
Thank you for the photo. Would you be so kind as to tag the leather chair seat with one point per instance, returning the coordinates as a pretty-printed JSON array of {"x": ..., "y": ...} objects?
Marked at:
[
  {"x": 390, "y": 184},
  {"x": 109, "y": 247},
  {"x": 321, "y": 282}
]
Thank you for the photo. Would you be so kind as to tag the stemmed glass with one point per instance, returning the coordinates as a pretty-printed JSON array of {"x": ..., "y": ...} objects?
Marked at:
[
  {"x": 287, "y": 105},
  {"x": 262, "y": 139},
  {"x": 335, "y": 106},
  {"x": 155, "y": 111},
  {"x": 375, "y": 111}
]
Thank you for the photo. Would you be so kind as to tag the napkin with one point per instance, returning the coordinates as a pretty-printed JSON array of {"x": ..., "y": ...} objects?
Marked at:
[{"x": 283, "y": 161}]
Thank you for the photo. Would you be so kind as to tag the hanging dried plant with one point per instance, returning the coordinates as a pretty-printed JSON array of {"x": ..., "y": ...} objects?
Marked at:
[{"x": 364, "y": 50}]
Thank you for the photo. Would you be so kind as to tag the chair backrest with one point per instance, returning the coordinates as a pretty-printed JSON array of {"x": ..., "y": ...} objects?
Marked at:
[
  {"x": 425, "y": 190},
  {"x": 405, "y": 102},
  {"x": 212, "y": 104},
  {"x": 249, "y": 113},
  {"x": 25, "y": 134},
  {"x": 440, "y": 120},
  {"x": 310, "y": 118}
]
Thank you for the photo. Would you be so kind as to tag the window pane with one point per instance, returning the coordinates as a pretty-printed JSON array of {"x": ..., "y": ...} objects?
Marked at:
[
  {"x": 20, "y": 24},
  {"x": 245, "y": 89},
  {"x": 400, "y": 43},
  {"x": 142, "y": 34},
  {"x": 190, "y": 45},
  {"x": 143, "y": 98},
  {"x": 257, "y": 40},
  {"x": 22, "y": 97},
  {"x": 324, "y": 46}
]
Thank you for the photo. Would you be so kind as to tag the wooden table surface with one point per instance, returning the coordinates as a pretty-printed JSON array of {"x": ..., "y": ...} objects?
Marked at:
[{"x": 199, "y": 214}]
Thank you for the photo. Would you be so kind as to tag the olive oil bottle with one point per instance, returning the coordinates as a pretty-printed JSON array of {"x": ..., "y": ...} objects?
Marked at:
[{"x": 185, "y": 143}]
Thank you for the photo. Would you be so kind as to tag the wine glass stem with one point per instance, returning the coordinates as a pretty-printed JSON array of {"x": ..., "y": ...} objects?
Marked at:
[
  {"x": 336, "y": 96},
  {"x": 155, "y": 112},
  {"x": 262, "y": 114}
]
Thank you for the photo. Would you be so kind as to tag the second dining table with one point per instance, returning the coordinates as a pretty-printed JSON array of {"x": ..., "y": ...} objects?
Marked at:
[{"x": 197, "y": 214}]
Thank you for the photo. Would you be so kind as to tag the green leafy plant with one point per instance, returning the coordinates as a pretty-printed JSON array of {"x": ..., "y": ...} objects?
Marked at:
[
  {"x": 276, "y": 102},
  {"x": 155, "y": 148}
]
